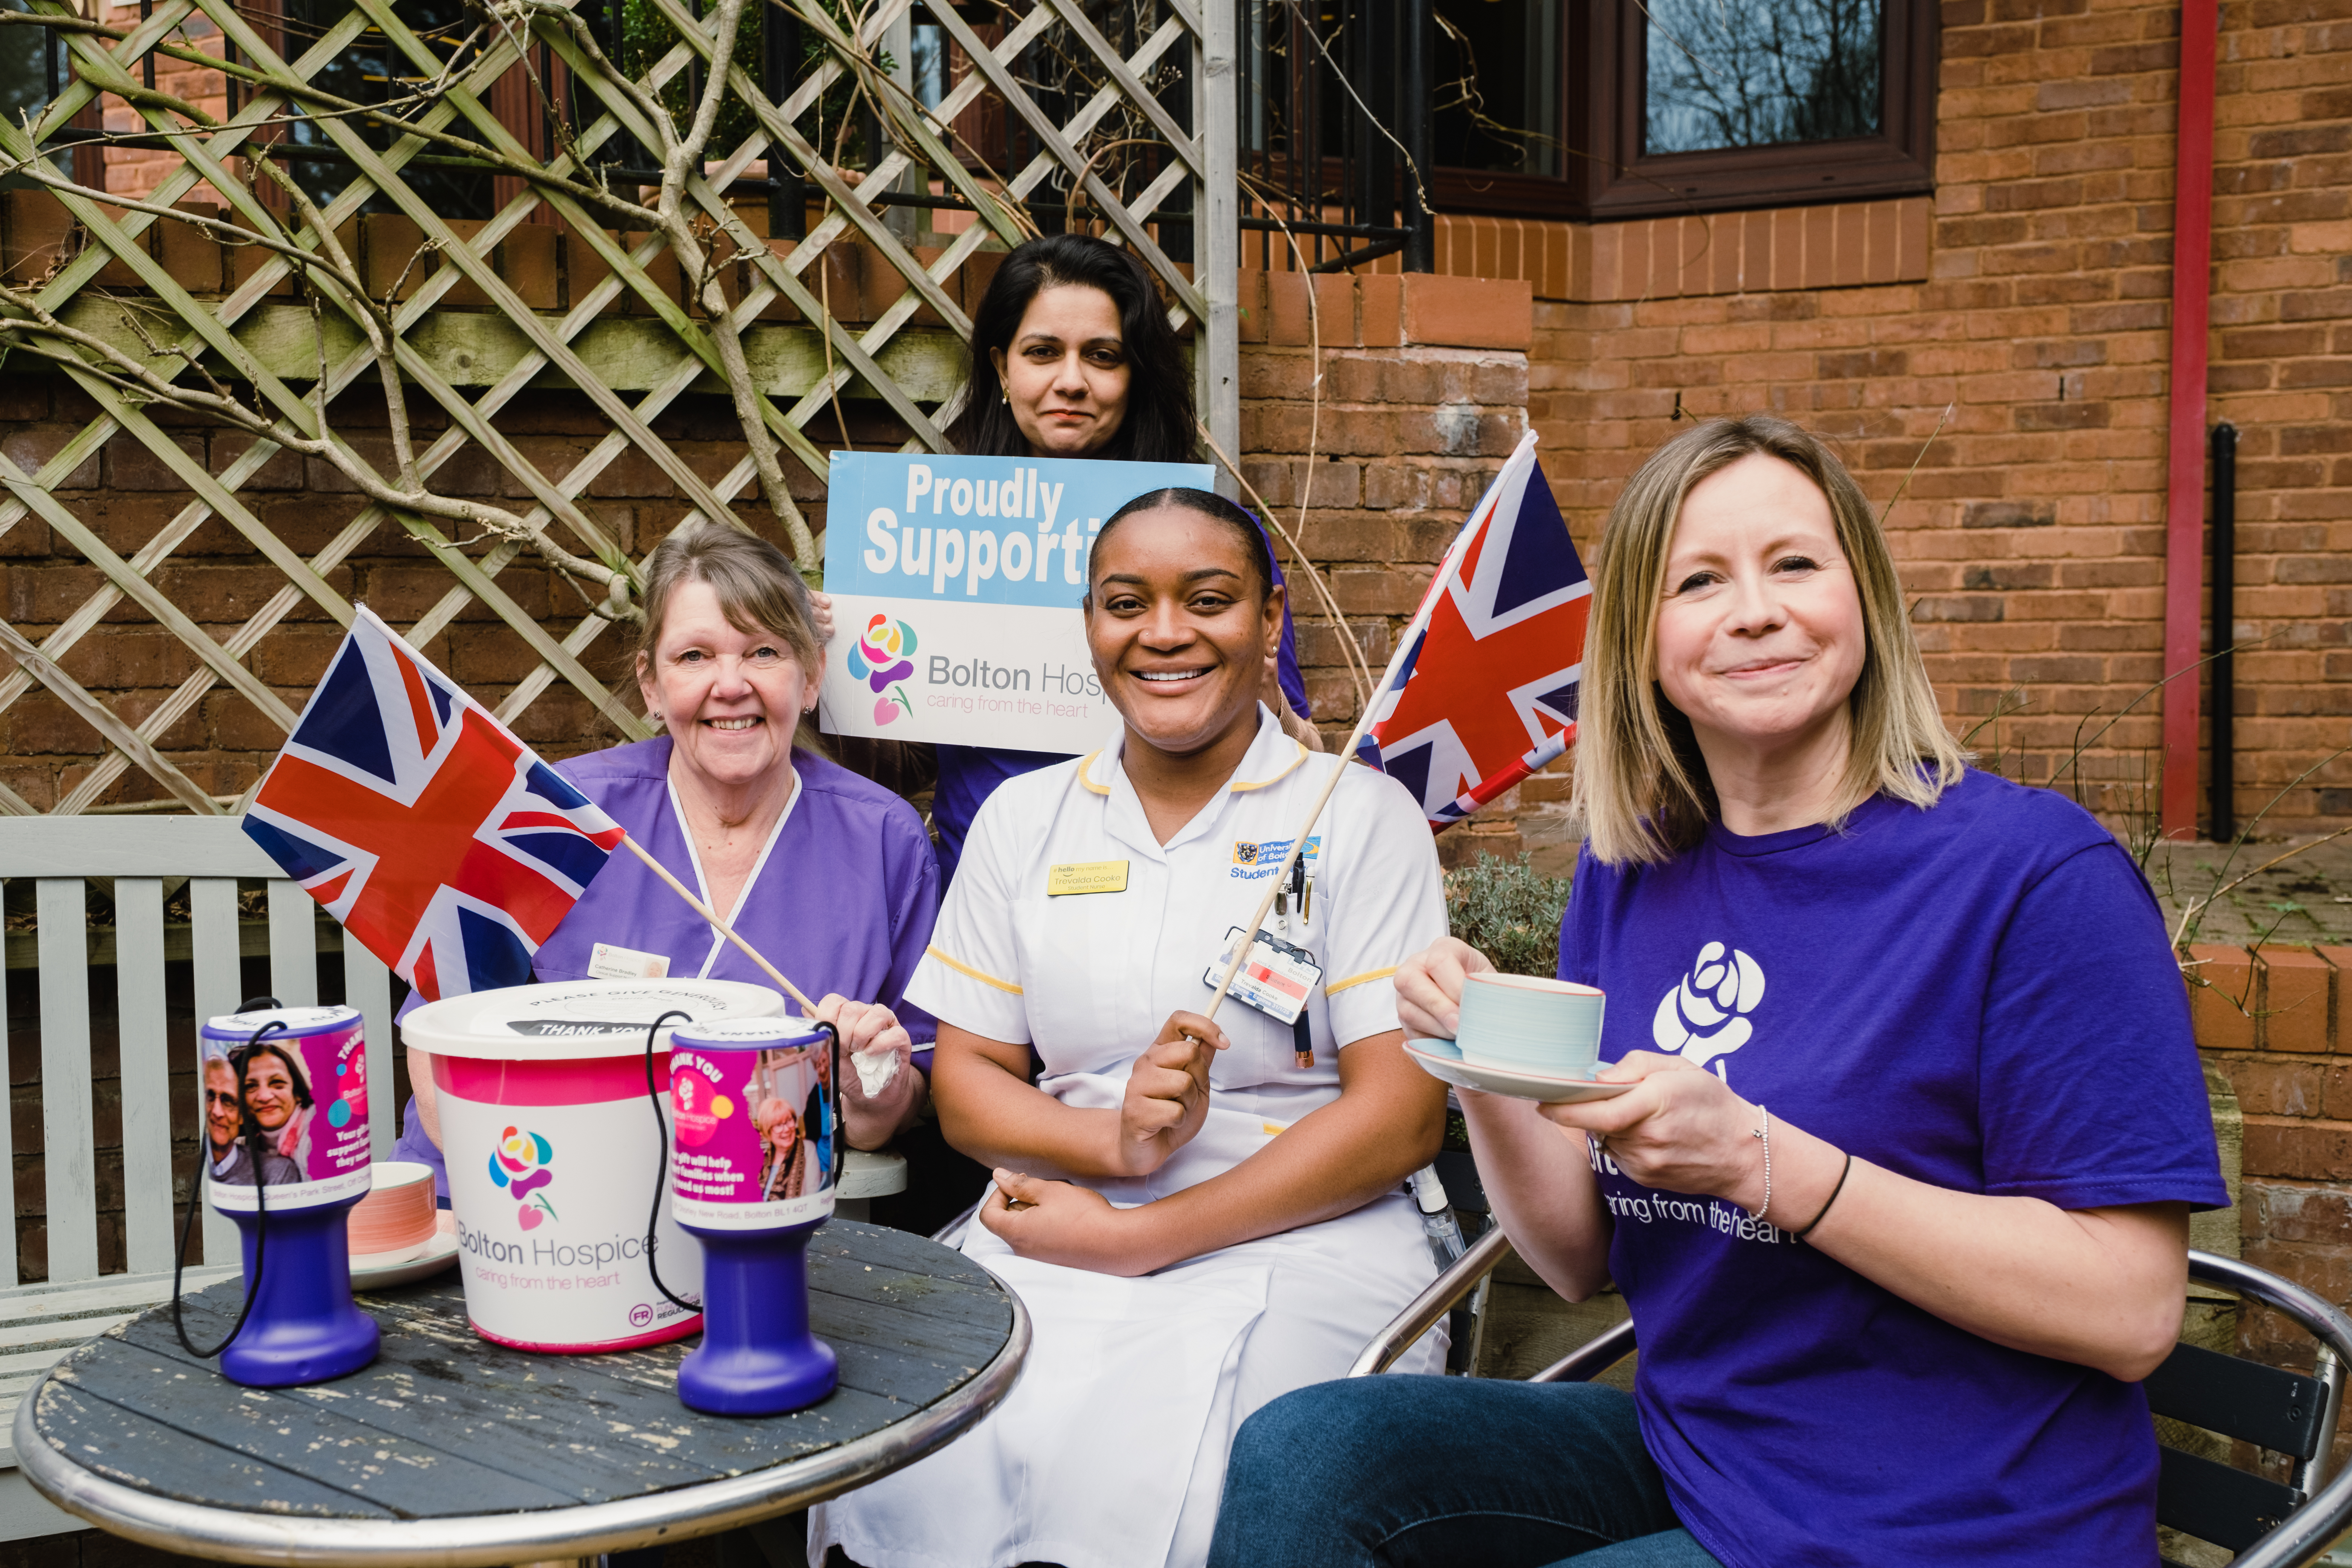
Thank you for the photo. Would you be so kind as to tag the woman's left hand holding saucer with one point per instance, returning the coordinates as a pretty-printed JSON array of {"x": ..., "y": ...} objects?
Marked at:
[
  {"x": 1680, "y": 1129},
  {"x": 1061, "y": 1222}
]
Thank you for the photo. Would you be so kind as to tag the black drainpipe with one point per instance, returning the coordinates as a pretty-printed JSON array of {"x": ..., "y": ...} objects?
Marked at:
[{"x": 2225, "y": 633}]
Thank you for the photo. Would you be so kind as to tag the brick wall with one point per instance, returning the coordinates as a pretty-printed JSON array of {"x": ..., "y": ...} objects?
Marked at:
[
  {"x": 2029, "y": 297},
  {"x": 1424, "y": 393}
]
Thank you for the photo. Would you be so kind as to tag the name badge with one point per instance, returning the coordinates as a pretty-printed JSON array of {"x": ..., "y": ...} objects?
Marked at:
[
  {"x": 1277, "y": 978},
  {"x": 608, "y": 962},
  {"x": 1086, "y": 877}
]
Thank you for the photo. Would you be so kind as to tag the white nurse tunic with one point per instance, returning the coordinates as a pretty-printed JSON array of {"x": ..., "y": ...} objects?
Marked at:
[{"x": 1111, "y": 1451}]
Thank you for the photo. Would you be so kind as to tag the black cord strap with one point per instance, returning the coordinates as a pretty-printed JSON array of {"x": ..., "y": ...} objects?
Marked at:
[
  {"x": 1817, "y": 1219},
  {"x": 256, "y": 1142},
  {"x": 661, "y": 1134},
  {"x": 661, "y": 1156}
]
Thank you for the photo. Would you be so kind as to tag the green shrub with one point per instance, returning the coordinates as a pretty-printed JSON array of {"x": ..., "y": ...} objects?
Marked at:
[{"x": 1507, "y": 910}]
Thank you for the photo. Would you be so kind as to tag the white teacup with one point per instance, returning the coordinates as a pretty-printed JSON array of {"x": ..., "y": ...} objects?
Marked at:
[{"x": 1523, "y": 1022}]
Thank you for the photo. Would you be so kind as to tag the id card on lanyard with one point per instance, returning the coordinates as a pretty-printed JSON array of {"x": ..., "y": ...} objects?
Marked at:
[{"x": 1277, "y": 978}]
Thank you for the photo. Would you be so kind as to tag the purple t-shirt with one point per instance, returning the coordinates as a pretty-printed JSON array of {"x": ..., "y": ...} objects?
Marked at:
[
  {"x": 844, "y": 902},
  {"x": 1981, "y": 995}
]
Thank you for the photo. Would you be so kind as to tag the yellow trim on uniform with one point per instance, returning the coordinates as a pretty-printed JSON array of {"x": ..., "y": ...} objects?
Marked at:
[
  {"x": 1331, "y": 990},
  {"x": 1086, "y": 768},
  {"x": 1238, "y": 785},
  {"x": 983, "y": 978}
]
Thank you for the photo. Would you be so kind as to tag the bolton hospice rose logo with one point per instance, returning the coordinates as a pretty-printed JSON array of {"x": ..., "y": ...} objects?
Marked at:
[
  {"x": 1705, "y": 1015},
  {"x": 520, "y": 1165},
  {"x": 880, "y": 658}
]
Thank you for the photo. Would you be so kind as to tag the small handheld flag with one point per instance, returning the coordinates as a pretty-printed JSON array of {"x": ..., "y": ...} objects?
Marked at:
[
  {"x": 1481, "y": 690},
  {"x": 1485, "y": 691},
  {"x": 437, "y": 838}
]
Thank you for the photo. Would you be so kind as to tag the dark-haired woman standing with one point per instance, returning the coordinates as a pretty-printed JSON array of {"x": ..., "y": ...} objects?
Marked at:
[
  {"x": 1072, "y": 356},
  {"x": 1204, "y": 1223}
]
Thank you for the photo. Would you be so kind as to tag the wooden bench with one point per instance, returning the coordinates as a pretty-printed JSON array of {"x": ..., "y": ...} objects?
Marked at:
[{"x": 147, "y": 861}]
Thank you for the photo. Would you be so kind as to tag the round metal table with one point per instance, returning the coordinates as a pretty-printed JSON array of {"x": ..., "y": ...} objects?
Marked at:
[{"x": 452, "y": 1452}]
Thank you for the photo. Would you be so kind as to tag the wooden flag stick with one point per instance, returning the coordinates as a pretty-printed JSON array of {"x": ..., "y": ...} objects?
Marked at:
[{"x": 722, "y": 928}]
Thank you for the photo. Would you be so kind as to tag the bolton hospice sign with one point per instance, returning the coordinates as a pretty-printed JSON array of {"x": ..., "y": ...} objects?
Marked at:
[{"x": 955, "y": 586}]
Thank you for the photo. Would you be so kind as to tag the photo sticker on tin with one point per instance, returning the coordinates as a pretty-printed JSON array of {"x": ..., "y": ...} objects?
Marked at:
[
  {"x": 284, "y": 1102},
  {"x": 1277, "y": 979},
  {"x": 754, "y": 1125}
]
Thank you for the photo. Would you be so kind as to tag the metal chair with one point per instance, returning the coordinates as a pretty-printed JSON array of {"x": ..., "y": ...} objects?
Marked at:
[{"x": 2268, "y": 1523}]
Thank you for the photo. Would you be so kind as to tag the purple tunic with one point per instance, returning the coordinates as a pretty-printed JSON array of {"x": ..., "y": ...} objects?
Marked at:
[{"x": 843, "y": 901}]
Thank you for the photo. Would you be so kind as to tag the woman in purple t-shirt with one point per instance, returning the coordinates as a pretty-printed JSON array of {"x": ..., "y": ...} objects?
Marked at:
[{"x": 1899, "y": 1198}]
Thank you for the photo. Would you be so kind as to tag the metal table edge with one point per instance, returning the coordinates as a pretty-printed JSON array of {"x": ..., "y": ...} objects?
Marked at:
[{"x": 497, "y": 1540}]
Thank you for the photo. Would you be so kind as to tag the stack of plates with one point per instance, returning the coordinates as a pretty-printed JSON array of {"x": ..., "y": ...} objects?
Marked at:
[{"x": 398, "y": 1234}]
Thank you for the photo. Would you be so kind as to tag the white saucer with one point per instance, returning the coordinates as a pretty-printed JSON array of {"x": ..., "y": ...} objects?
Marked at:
[
  {"x": 368, "y": 1274},
  {"x": 1442, "y": 1059}
]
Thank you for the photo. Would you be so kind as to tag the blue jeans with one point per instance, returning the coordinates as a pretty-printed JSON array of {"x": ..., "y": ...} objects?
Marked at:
[{"x": 1445, "y": 1472}]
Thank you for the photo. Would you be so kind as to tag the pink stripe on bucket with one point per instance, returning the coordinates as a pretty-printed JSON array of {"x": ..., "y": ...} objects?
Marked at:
[
  {"x": 595, "y": 1080},
  {"x": 677, "y": 1331}
]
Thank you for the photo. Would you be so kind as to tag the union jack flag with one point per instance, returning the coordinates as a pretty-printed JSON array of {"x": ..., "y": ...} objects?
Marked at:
[
  {"x": 1485, "y": 693},
  {"x": 437, "y": 837}
]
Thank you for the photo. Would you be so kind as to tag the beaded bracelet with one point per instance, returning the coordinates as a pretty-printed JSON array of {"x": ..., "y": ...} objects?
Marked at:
[{"x": 1764, "y": 1135}]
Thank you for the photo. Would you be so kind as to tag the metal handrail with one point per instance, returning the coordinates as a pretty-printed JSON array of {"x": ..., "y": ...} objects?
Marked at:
[
  {"x": 2307, "y": 1531},
  {"x": 1441, "y": 1295},
  {"x": 1594, "y": 1357}
]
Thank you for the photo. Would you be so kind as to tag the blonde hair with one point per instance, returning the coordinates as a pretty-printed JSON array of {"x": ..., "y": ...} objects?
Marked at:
[
  {"x": 757, "y": 588},
  {"x": 1641, "y": 787}
]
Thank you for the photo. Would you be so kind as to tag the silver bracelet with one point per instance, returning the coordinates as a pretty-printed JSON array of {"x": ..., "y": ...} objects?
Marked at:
[{"x": 1764, "y": 1136}]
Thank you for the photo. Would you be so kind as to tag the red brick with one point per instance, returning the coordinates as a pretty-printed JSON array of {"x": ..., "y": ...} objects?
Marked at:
[
  {"x": 1468, "y": 313},
  {"x": 527, "y": 260},
  {"x": 1286, "y": 308},
  {"x": 393, "y": 246},
  {"x": 1382, "y": 304},
  {"x": 2305, "y": 1151},
  {"x": 2295, "y": 1213},
  {"x": 2223, "y": 997},
  {"x": 191, "y": 255},
  {"x": 465, "y": 294},
  {"x": 39, "y": 235},
  {"x": 2298, "y": 999}
]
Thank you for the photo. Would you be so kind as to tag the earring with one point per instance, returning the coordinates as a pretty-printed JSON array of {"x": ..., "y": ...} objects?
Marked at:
[{"x": 1005, "y": 398}]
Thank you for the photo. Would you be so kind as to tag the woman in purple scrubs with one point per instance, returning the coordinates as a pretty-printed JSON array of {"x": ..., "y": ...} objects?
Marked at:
[
  {"x": 829, "y": 874},
  {"x": 1072, "y": 356}
]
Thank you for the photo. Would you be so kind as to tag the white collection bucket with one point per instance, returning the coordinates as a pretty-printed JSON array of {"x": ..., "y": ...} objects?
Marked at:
[{"x": 555, "y": 1160}]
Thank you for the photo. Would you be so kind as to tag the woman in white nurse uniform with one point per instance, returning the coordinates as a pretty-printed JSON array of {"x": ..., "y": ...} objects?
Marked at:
[{"x": 1196, "y": 1222}]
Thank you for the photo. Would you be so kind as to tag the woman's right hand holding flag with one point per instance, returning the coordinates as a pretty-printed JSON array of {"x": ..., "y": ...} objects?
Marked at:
[{"x": 1167, "y": 1094}]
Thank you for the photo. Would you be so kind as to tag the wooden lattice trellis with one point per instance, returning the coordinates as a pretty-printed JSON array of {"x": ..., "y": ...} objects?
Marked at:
[{"x": 242, "y": 338}]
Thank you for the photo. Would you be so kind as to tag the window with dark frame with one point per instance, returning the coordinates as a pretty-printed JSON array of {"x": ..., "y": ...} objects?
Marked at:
[
  {"x": 1600, "y": 109},
  {"x": 34, "y": 69}
]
